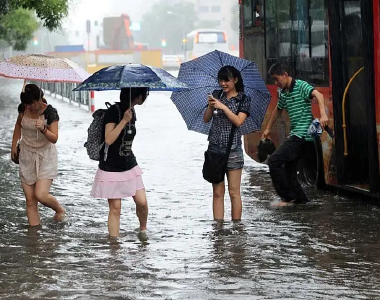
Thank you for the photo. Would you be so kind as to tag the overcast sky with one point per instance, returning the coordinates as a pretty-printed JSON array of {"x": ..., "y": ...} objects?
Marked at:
[{"x": 81, "y": 10}]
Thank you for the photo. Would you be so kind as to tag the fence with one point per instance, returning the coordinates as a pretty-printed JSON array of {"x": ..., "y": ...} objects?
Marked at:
[{"x": 65, "y": 91}]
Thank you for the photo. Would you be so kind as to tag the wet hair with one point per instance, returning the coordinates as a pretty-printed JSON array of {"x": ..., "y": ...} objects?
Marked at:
[
  {"x": 278, "y": 69},
  {"x": 134, "y": 93},
  {"x": 21, "y": 107},
  {"x": 227, "y": 73},
  {"x": 31, "y": 94}
]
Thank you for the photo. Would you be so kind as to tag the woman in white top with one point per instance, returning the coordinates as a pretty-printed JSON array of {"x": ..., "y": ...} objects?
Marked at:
[{"x": 37, "y": 127}]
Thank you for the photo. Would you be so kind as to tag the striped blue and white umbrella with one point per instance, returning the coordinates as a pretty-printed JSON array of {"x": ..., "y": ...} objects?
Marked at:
[{"x": 200, "y": 75}]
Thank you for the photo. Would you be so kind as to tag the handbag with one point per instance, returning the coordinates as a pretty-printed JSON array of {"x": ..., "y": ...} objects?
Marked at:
[{"x": 215, "y": 164}]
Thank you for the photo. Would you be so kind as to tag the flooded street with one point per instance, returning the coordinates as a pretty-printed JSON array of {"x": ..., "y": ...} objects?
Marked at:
[{"x": 329, "y": 249}]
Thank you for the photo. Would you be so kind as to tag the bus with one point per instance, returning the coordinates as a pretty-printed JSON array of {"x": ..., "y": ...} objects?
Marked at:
[
  {"x": 202, "y": 41},
  {"x": 333, "y": 45}
]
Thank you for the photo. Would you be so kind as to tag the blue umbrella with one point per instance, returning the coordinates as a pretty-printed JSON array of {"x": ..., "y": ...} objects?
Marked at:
[
  {"x": 131, "y": 75},
  {"x": 201, "y": 74}
]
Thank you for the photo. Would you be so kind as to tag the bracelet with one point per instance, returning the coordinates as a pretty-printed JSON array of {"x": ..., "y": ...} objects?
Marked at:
[{"x": 44, "y": 130}]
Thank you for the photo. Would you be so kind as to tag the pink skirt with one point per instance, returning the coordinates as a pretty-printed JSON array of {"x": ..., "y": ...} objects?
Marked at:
[{"x": 117, "y": 185}]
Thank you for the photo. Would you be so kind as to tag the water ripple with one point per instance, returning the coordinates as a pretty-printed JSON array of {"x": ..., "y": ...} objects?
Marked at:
[{"x": 329, "y": 249}]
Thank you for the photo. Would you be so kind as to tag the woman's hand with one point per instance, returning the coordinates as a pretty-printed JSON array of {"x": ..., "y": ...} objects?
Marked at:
[
  {"x": 127, "y": 116},
  {"x": 211, "y": 101},
  {"x": 215, "y": 103},
  {"x": 40, "y": 125},
  {"x": 14, "y": 154}
]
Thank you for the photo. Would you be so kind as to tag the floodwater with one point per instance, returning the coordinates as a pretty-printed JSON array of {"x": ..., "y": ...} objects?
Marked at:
[{"x": 329, "y": 249}]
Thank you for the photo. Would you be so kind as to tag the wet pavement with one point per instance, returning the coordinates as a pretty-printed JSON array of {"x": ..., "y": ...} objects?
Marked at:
[{"x": 329, "y": 249}]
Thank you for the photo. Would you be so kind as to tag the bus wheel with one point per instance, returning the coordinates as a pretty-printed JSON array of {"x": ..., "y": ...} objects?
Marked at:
[{"x": 310, "y": 165}]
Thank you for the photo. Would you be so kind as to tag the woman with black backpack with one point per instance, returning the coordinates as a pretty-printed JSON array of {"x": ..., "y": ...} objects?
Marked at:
[{"x": 119, "y": 175}]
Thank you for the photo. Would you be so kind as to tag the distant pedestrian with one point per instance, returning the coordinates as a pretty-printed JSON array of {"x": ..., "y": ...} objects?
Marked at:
[
  {"x": 295, "y": 98},
  {"x": 119, "y": 175},
  {"x": 223, "y": 109},
  {"x": 36, "y": 131}
]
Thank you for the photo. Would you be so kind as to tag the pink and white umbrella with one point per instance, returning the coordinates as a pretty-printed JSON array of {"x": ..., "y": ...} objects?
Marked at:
[{"x": 46, "y": 68}]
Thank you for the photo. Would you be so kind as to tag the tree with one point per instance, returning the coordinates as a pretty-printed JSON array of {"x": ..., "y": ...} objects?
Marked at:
[
  {"x": 18, "y": 21},
  {"x": 170, "y": 23},
  {"x": 17, "y": 28},
  {"x": 51, "y": 12}
]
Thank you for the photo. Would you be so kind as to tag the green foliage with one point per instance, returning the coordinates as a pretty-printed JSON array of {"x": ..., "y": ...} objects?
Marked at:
[
  {"x": 17, "y": 28},
  {"x": 18, "y": 21},
  {"x": 158, "y": 24},
  {"x": 51, "y": 12}
]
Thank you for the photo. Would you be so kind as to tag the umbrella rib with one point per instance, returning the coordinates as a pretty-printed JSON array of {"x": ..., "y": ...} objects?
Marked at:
[{"x": 220, "y": 58}]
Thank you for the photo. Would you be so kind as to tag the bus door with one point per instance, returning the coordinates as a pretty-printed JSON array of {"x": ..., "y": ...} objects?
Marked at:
[{"x": 352, "y": 58}]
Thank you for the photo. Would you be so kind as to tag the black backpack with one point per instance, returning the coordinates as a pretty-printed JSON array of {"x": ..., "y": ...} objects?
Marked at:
[{"x": 95, "y": 132}]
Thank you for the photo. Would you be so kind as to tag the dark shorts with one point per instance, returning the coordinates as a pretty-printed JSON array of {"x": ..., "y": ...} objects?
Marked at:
[{"x": 236, "y": 158}]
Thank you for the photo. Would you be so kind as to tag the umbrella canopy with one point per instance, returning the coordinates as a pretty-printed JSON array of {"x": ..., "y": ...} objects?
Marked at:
[
  {"x": 131, "y": 75},
  {"x": 39, "y": 67},
  {"x": 201, "y": 77}
]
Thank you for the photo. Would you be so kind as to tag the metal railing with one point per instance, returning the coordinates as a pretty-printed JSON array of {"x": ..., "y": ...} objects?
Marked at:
[{"x": 65, "y": 90}]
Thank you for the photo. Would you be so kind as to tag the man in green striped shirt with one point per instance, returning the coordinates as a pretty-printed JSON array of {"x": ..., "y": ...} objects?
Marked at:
[{"x": 295, "y": 98}]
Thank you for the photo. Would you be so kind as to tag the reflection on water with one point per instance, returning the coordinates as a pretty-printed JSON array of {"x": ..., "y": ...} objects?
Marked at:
[{"x": 326, "y": 250}]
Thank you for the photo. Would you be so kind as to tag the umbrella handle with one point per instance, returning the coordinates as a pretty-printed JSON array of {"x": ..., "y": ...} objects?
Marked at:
[{"x": 130, "y": 107}]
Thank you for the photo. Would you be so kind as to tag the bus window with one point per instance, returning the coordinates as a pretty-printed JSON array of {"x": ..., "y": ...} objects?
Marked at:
[
  {"x": 211, "y": 37},
  {"x": 296, "y": 34},
  {"x": 271, "y": 31},
  {"x": 278, "y": 32},
  {"x": 252, "y": 13},
  {"x": 247, "y": 13}
]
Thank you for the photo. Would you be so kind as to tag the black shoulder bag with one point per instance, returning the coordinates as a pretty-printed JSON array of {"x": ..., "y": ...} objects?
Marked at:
[{"x": 215, "y": 165}]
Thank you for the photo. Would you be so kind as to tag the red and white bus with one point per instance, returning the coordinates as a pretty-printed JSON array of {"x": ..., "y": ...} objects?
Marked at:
[{"x": 334, "y": 45}]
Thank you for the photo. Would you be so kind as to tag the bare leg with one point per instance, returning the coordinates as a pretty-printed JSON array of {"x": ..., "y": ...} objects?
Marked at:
[
  {"x": 234, "y": 182},
  {"x": 41, "y": 192},
  {"x": 218, "y": 201},
  {"x": 31, "y": 205},
  {"x": 114, "y": 217},
  {"x": 141, "y": 208}
]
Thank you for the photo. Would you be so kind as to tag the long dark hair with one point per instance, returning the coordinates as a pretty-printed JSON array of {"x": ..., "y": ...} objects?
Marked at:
[
  {"x": 227, "y": 73},
  {"x": 128, "y": 95},
  {"x": 31, "y": 94}
]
